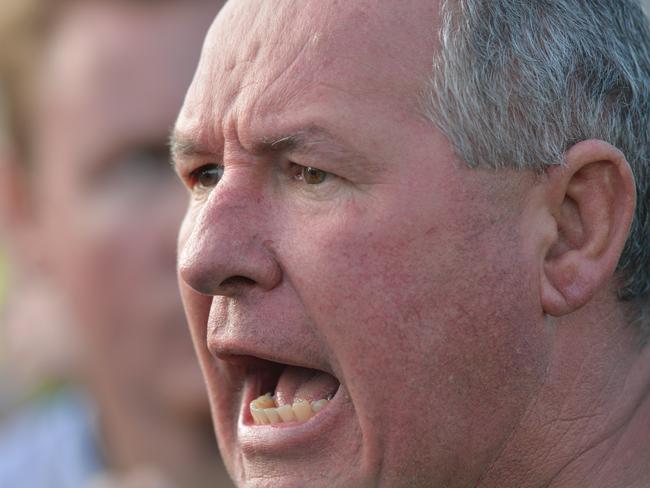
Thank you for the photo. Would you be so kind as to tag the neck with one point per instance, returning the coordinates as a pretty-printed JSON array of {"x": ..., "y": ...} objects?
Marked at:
[
  {"x": 589, "y": 424},
  {"x": 620, "y": 459}
]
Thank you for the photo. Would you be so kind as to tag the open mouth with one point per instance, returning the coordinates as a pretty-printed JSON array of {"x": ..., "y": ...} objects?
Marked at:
[{"x": 291, "y": 394}]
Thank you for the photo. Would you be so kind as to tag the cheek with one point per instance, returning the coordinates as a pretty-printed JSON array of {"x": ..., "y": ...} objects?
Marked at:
[{"x": 425, "y": 321}]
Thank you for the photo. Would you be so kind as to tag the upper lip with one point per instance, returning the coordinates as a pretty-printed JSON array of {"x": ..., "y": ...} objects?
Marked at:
[{"x": 247, "y": 355}]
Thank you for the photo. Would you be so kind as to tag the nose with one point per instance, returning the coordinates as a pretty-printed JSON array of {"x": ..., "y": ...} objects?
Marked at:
[{"x": 224, "y": 243}]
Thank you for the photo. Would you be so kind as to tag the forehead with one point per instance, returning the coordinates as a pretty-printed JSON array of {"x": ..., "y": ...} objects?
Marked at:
[{"x": 262, "y": 59}]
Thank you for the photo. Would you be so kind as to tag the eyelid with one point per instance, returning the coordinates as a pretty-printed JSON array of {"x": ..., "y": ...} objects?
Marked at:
[
  {"x": 184, "y": 164},
  {"x": 293, "y": 165},
  {"x": 331, "y": 187}
]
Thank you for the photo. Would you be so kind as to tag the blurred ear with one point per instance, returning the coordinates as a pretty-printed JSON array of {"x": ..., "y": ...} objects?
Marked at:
[
  {"x": 9, "y": 190},
  {"x": 592, "y": 199},
  {"x": 18, "y": 226}
]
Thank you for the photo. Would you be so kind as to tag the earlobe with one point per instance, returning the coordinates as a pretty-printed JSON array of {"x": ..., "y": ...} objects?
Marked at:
[{"x": 592, "y": 199}]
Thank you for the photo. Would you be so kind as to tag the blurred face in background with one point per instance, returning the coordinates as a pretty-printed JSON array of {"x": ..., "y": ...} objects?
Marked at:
[{"x": 105, "y": 197}]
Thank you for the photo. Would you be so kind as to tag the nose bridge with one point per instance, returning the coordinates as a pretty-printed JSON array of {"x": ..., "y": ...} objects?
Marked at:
[{"x": 226, "y": 238}]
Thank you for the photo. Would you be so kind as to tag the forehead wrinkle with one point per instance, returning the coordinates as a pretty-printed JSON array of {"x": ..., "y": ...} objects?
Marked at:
[
  {"x": 234, "y": 86},
  {"x": 240, "y": 63},
  {"x": 240, "y": 85}
]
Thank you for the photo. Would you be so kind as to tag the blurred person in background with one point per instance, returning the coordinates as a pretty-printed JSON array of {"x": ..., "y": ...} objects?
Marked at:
[{"x": 89, "y": 207}]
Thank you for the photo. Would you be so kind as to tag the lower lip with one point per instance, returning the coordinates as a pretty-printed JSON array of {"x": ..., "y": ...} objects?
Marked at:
[{"x": 284, "y": 437}]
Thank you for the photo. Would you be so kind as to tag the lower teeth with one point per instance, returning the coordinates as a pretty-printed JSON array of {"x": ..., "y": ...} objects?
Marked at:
[{"x": 266, "y": 411}]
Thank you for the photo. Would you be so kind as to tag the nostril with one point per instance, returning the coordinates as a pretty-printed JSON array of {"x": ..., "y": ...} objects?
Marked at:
[
  {"x": 238, "y": 280},
  {"x": 235, "y": 282}
]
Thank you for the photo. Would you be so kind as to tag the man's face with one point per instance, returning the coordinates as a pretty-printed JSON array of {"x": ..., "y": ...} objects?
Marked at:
[
  {"x": 109, "y": 203},
  {"x": 391, "y": 278}
]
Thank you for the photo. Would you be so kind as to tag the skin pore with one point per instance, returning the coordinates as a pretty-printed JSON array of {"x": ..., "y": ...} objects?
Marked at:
[{"x": 468, "y": 315}]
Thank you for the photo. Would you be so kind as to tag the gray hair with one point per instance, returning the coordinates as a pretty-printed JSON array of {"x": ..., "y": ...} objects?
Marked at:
[{"x": 517, "y": 83}]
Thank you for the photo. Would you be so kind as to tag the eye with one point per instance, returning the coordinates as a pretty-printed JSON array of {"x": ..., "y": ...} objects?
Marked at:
[
  {"x": 206, "y": 177},
  {"x": 312, "y": 176}
]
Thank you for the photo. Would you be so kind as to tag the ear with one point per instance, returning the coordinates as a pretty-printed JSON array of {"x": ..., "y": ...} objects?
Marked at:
[
  {"x": 592, "y": 199},
  {"x": 8, "y": 189},
  {"x": 18, "y": 225}
]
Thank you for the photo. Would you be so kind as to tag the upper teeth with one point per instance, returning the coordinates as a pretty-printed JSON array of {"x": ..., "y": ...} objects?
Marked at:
[{"x": 266, "y": 411}]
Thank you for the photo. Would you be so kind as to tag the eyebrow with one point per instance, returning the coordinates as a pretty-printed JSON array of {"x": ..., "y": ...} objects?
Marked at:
[
  {"x": 307, "y": 141},
  {"x": 300, "y": 141},
  {"x": 181, "y": 145}
]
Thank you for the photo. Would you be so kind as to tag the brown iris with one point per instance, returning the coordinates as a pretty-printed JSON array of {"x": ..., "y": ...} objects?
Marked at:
[
  {"x": 206, "y": 177},
  {"x": 313, "y": 176}
]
